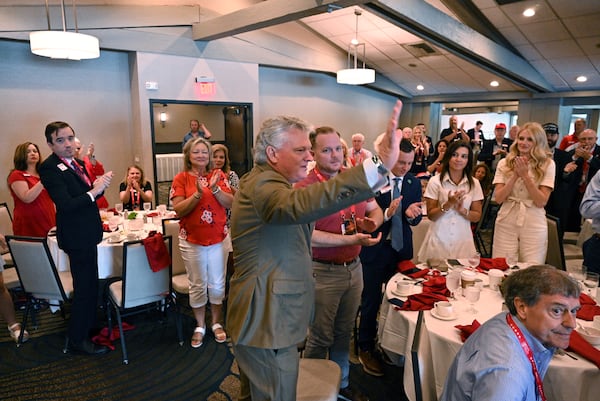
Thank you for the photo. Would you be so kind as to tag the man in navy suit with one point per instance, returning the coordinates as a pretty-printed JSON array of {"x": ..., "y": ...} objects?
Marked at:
[
  {"x": 78, "y": 228},
  {"x": 495, "y": 149},
  {"x": 380, "y": 260}
]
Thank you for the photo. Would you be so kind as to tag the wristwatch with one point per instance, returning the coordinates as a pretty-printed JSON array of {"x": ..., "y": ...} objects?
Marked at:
[{"x": 381, "y": 169}]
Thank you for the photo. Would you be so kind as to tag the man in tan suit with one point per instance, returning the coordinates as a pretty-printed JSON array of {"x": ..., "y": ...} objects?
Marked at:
[{"x": 272, "y": 292}]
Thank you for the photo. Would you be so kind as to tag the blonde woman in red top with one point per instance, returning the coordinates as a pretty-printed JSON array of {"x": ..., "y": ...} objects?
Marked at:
[
  {"x": 34, "y": 213},
  {"x": 200, "y": 196}
]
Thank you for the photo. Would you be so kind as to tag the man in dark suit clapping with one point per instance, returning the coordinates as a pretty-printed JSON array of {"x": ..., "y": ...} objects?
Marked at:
[
  {"x": 380, "y": 261},
  {"x": 78, "y": 228}
]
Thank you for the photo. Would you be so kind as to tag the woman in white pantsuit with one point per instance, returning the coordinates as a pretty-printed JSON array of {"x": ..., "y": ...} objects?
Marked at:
[{"x": 523, "y": 183}]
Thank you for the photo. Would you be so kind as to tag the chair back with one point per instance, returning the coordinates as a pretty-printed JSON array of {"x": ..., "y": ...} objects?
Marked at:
[
  {"x": 141, "y": 285},
  {"x": 6, "y": 227},
  {"x": 422, "y": 363},
  {"x": 318, "y": 380},
  {"x": 555, "y": 254},
  {"x": 418, "y": 235},
  {"x": 35, "y": 267},
  {"x": 171, "y": 228}
]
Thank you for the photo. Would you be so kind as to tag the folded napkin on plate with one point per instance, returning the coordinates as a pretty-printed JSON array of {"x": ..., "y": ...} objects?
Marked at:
[
  {"x": 156, "y": 251},
  {"x": 486, "y": 264},
  {"x": 152, "y": 214},
  {"x": 103, "y": 338},
  {"x": 467, "y": 330},
  {"x": 585, "y": 299},
  {"x": 106, "y": 228},
  {"x": 423, "y": 301},
  {"x": 578, "y": 345}
]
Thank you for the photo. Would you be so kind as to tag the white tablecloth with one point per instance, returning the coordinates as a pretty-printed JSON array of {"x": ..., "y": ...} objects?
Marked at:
[
  {"x": 566, "y": 379},
  {"x": 110, "y": 255}
]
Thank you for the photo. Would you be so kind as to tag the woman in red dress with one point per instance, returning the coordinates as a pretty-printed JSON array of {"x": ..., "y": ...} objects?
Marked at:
[{"x": 34, "y": 213}]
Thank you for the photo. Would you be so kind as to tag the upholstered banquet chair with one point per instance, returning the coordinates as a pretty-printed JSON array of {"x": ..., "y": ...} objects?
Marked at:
[
  {"x": 140, "y": 286},
  {"x": 422, "y": 363},
  {"x": 39, "y": 278},
  {"x": 5, "y": 229},
  {"x": 318, "y": 380},
  {"x": 180, "y": 278},
  {"x": 555, "y": 255}
]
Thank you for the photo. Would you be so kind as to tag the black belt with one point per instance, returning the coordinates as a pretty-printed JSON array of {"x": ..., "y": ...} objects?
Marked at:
[{"x": 334, "y": 263}]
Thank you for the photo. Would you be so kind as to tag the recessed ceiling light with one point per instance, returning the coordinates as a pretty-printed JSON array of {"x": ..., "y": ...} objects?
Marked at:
[
  {"x": 494, "y": 83},
  {"x": 354, "y": 42},
  {"x": 529, "y": 12},
  {"x": 581, "y": 78},
  {"x": 420, "y": 87}
]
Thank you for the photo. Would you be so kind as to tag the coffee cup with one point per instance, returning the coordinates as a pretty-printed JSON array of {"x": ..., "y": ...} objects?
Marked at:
[
  {"x": 444, "y": 308},
  {"x": 496, "y": 276},
  {"x": 467, "y": 278},
  {"x": 404, "y": 288}
]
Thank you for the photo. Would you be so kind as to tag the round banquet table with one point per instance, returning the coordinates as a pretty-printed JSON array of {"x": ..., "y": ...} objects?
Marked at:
[{"x": 566, "y": 379}]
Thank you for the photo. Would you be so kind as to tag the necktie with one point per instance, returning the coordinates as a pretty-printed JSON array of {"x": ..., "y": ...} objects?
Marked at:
[
  {"x": 80, "y": 172},
  {"x": 397, "y": 234},
  {"x": 584, "y": 173}
]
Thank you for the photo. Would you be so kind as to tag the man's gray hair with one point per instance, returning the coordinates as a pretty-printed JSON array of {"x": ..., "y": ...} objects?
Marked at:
[
  {"x": 531, "y": 283},
  {"x": 274, "y": 132}
]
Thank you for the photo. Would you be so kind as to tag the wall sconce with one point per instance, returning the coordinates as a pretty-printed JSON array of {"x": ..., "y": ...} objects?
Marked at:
[{"x": 163, "y": 118}]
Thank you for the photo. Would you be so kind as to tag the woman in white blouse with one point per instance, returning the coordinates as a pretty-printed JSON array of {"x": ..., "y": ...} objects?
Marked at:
[{"x": 453, "y": 200}]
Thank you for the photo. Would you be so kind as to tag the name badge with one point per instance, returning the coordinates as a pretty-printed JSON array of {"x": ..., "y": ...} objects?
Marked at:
[{"x": 62, "y": 167}]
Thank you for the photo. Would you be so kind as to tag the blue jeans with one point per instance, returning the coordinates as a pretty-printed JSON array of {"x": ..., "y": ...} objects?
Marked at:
[{"x": 337, "y": 297}]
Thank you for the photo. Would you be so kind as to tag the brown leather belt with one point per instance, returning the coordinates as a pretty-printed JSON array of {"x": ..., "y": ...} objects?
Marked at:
[{"x": 335, "y": 263}]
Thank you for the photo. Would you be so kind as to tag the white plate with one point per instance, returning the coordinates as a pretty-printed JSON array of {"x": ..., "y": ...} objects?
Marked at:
[{"x": 435, "y": 315}]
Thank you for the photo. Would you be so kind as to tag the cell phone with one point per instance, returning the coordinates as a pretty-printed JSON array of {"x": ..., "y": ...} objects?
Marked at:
[
  {"x": 411, "y": 271},
  {"x": 454, "y": 262}
]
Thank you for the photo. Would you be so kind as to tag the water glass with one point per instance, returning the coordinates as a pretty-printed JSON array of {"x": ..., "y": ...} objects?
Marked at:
[
  {"x": 474, "y": 260},
  {"x": 472, "y": 294},
  {"x": 590, "y": 284},
  {"x": 453, "y": 282},
  {"x": 119, "y": 207},
  {"x": 512, "y": 260},
  {"x": 579, "y": 273},
  {"x": 147, "y": 206}
]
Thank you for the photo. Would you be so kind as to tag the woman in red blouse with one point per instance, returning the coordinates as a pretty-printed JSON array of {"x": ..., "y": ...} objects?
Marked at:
[
  {"x": 200, "y": 196},
  {"x": 34, "y": 213}
]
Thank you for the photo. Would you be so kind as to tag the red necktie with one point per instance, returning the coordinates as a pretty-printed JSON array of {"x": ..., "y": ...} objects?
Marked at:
[
  {"x": 80, "y": 172},
  {"x": 585, "y": 168}
]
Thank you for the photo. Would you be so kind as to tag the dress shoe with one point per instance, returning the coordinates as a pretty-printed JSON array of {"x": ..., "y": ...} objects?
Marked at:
[
  {"x": 88, "y": 347},
  {"x": 351, "y": 393},
  {"x": 370, "y": 363}
]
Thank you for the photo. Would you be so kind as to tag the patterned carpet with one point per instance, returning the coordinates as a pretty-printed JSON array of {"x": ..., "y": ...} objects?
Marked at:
[{"x": 159, "y": 369}]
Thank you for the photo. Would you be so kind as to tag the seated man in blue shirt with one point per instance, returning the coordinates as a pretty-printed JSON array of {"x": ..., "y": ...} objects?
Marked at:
[{"x": 508, "y": 356}]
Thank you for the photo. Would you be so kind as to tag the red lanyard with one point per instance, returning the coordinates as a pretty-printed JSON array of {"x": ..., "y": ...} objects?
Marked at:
[
  {"x": 135, "y": 200},
  {"x": 342, "y": 212},
  {"x": 538, "y": 380}
]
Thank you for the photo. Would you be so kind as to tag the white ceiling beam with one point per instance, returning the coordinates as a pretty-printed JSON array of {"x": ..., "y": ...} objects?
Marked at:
[
  {"x": 429, "y": 23},
  {"x": 265, "y": 14}
]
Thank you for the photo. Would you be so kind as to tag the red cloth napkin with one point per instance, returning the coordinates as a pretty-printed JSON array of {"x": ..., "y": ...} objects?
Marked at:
[
  {"x": 578, "y": 345},
  {"x": 156, "y": 251},
  {"x": 152, "y": 214},
  {"x": 436, "y": 284},
  {"x": 103, "y": 338},
  {"x": 589, "y": 309},
  {"x": 486, "y": 264},
  {"x": 423, "y": 301},
  {"x": 467, "y": 330},
  {"x": 409, "y": 269}
]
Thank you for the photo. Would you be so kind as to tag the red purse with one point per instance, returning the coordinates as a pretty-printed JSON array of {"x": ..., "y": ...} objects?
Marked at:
[{"x": 156, "y": 251}]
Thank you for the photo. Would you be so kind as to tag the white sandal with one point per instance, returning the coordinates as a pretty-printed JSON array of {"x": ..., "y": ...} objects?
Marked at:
[
  {"x": 198, "y": 343},
  {"x": 219, "y": 338},
  {"x": 15, "y": 332}
]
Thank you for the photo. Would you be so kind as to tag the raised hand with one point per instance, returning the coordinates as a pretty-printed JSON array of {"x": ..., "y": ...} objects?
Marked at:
[{"x": 389, "y": 148}]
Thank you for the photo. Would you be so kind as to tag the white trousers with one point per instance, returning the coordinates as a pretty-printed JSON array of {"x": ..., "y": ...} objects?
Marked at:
[
  {"x": 529, "y": 240},
  {"x": 206, "y": 272}
]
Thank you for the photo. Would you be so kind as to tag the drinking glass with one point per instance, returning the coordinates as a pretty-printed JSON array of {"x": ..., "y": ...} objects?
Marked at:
[
  {"x": 472, "y": 294},
  {"x": 474, "y": 260},
  {"x": 453, "y": 282},
  {"x": 590, "y": 283},
  {"x": 512, "y": 260},
  {"x": 162, "y": 209},
  {"x": 147, "y": 206},
  {"x": 119, "y": 207},
  {"x": 579, "y": 273}
]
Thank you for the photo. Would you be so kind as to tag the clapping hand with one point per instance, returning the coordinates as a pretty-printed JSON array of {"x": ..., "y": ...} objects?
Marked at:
[
  {"x": 521, "y": 166},
  {"x": 367, "y": 224}
]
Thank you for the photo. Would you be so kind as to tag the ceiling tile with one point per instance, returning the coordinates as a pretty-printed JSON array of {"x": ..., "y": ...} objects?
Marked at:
[
  {"x": 400, "y": 35},
  {"x": 497, "y": 17},
  {"x": 566, "y": 9},
  {"x": 590, "y": 46},
  {"x": 514, "y": 35},
  {"x": 529, "y": 52},
  {"x": 559, "y": 48},
  {"x": 543, "y": 12},
  {"x": 584, "y": 26},
  {"x": 578, "y": 65},
  {"x": 544, "y": 31}
]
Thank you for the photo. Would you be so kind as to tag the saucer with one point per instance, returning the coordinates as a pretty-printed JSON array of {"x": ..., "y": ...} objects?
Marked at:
[
  {"x": 396, "y": 293},
  {"x": 435, "y": 315}
]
